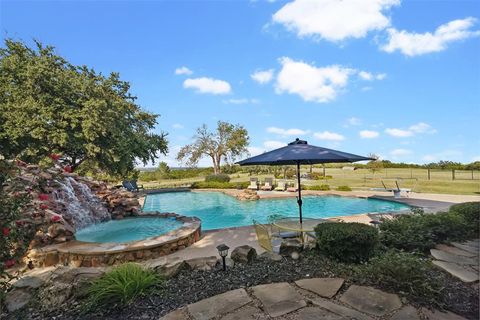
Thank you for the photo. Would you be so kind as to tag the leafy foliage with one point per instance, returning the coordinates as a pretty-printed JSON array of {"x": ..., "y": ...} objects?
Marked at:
[
  {"x": 122, "y": 285},
  {"x": 48, "y": 105},
  {"x": 344, "y": 188},
  {"x": 348, "y": 242},
  {"x": 470, "y": 211},
  {"x": 228, "y": 142},
  {"x": 322, "y": 187},
  {"x": 420, "y": 231},
  {"x": 402, "y": 272},
  {"x": 217, "y": 178},
  {"x": 219, "y": 185}
]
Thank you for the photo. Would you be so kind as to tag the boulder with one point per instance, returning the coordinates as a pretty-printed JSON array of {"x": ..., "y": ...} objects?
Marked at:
[
  {"x": 202, "y": 263},
  {"x": 244, "y": 254},
  {"x": 17, "y": 299},
  {"x": 290, "y": 246},
  {"x": 271, "y": 256},
  {"x": 248, "y": 195}
]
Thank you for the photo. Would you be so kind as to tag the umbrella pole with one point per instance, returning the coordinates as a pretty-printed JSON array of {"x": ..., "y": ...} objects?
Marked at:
[{"x": 299, "y": 199}]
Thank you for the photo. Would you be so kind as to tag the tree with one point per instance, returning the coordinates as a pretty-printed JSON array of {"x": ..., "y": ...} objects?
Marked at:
[
  {"x": 374, "y": 165},
  {"x": 226, "y": 143},
  {"x": 48, "y": 105}
]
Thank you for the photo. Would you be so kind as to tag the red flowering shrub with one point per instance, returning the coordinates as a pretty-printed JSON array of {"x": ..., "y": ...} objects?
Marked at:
[
  {"x": 43, "y": 196},
  {"x": 55, "y": 218},
  {"x": 55, "y": 156},
  {"x": 68, "y": 169}
]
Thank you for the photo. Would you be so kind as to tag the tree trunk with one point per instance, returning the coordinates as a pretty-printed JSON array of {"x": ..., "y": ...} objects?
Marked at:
[{"x": 215, "y": 165}]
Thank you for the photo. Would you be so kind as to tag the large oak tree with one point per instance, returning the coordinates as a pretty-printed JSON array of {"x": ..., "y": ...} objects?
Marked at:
[
  {"x": 48, "y": 105},
  {"x": 226, "y": 143}
]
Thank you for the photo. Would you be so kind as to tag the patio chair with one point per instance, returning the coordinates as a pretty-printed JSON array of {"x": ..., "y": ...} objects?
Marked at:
[
  {"x": 265, "y": 238},
  {"x": 268, "y": 184},
  {"x": 128, "y": 185},
  {"x": 281, "y": 186},
  {"x": 135, "y": 186},
  {"x": 253, "y": 184},
  {"x": 293, "y": 188}
]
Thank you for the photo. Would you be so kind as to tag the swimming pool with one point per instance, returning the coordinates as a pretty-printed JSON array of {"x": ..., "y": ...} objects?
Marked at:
[
  {"x": 126, "y": 230},
  {"x": 218, "y": 210}
]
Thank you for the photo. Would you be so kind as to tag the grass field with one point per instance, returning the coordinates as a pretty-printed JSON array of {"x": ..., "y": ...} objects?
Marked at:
[{"x": 416, "y": 179}]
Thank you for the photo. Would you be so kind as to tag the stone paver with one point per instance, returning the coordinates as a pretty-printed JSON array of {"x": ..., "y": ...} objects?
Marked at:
[
  {"x": 278, "y": 298},
  {"x": 465, "y": 247},
  {"x": 449, "y": 257},
  {"x": 29, "y": 282},
  {"x": 406, "y": 313},
  {"x": 340, "y": 310},
  {"x": 464, "y": 274},
  {"x": 438, "y": 315},
  {"x": 175, "y": 315},
  {"x": 454, "y": 250},
  {"x": 370, "y": 300},
  {"x": 17, "y": 299},
  {"x": 324, "y": 287},
  {"x": 245, "y": 313},
  {"x": 317, "y": 314},
  {"x": 220, "y": 304}
]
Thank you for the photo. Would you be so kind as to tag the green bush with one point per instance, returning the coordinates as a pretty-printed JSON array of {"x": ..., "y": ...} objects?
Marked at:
[
  {"x": 219, "y": 185},
  {"x": 344, "y": 188},
  {"x": 222, "y": 177},
  {"x": 470, "y": 211},
  {"x": 122, "y": 285},
  {"x": 348, "y": 242},
  {"x": 322, "y": 187},
  {"x": 316, "y": 175},
  {"x": 401, "y": 272},
  {"x": 420, "y": 231}
]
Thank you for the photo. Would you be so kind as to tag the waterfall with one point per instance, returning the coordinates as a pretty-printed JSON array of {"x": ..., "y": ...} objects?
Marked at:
[{"x": 82, "y": 207}]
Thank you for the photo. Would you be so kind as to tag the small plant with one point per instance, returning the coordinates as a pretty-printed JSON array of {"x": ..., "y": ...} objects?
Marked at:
[
  {"x": 470, "y": 211},
  {"x": 347, "y": 242},
  {"x": 344, "y": 188},
  {"x": 402, "y": 272},
  {"x": 222, "y": 177},
  {"x": 322, "y": 187},
  {"x": 122, "y": 285}
]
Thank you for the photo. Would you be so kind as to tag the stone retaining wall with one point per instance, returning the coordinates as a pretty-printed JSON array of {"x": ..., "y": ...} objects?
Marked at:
[{"x": 93, "y": 254}]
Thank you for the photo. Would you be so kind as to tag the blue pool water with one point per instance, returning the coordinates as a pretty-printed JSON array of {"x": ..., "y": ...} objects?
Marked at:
[
  {"x": 127, "y": 229},
  {"x": 218, "y": 210}
]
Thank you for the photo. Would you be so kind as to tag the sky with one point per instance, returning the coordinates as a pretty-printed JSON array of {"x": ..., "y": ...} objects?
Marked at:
[{"x": 400, "y": 79}]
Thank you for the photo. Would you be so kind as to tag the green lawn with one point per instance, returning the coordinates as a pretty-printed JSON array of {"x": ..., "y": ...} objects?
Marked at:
[{"x": 417, "y": 179}]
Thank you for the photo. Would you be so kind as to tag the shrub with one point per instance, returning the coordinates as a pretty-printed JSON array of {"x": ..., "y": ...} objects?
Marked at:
[
  {"x": 420, "y": 231},
  {"x": 316, "y": 175},
  {"x": 123, "y": 284},
  {"x": 348, "y": 242},
  {"x": 219, "y": 185},
  {"x": 344, "y": 188},
  {"x": 470, "y": 211},
  {"x": 401, "y": 272},
  {"x": 322, "y": 187},
  {"x": 222, "y": 177}
]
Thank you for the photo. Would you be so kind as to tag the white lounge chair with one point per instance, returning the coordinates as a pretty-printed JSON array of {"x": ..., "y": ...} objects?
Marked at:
[
  {"x": 281, "y": 185},
  {"x": 268, "y": 184},
  {"x": 253, "y": 184}
]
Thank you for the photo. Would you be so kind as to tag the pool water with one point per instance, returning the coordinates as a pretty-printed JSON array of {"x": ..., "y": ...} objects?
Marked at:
[
  {"x": 218, "y": 210},
  {"x": 129, "y": 229}
]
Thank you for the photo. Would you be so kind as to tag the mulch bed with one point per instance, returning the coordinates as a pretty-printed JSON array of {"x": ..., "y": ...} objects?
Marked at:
[{"x": 192, "y": 286}]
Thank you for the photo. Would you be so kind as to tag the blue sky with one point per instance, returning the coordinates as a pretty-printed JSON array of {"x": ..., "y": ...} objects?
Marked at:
[{"x": 397, "y": 78}]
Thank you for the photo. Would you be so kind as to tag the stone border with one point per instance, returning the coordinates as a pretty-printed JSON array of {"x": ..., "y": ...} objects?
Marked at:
[{"x": 95, "y": 254}]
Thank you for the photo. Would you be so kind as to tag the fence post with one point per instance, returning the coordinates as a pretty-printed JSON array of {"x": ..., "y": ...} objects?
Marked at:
[
  {"x": 472, "y": 174},
  {"x": 411, "y": 173},
  {"x": 428, "y": 170},
  {"x": 453, "y": 174}
]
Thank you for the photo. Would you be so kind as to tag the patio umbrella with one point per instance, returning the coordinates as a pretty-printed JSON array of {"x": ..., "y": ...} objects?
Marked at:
[{"x": 300, "y": 152}]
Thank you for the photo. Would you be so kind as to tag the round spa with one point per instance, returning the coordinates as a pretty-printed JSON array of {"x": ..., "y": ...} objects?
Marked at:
[{"x": 148, "y": 236}]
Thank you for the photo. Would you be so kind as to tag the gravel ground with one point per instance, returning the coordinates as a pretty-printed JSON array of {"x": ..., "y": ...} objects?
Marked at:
[{"x": 191, "y": 286}]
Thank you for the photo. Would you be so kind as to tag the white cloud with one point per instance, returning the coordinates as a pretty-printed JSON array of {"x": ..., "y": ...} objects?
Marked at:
[
  {"x": 422, "y": 127},
  {"x": 208, "y": 85},
  {"x": 368, "y": 134},
  {"x": 177, "y": 126},
  {"x": 368, "y": 76},
  {"x": 399, "y": 133},
  {"x": 354, "y": 121},
  {"x": 400, "y": 152},
  {"x": 327, "y": 135},
  {"x": 183, "y": 70},
  {"x": 287, "y": 132},
  {"x": 414, "y": 44},
  {"x": 241, "y": 101},
  {"x": 334, "y": 20},
  {"x": 311, "y": 83},
  {"x": 255, "y": 151},
  {"x": 417, "y": 128},
  {"x": 262, "y": 77},
  {"x": 273, "y": 144}
]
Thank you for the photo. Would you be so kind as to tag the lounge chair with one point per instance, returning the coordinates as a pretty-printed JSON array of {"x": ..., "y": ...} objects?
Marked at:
[
  {"x": 135, "y": 186},
  {"x": 128, "y": 185},
  {"x": 268, "y": 184},
  {"x": 253, "y": 184},
  {"x": 281, "y": 186},
  {"x": 294, "y": 188}
]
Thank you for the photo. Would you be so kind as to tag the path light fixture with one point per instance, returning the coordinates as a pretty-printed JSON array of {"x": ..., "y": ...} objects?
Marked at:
[{"x": 223, "y": 252}]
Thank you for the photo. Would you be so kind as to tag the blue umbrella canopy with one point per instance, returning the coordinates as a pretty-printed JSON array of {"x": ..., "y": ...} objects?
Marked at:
[{"x": 300, "y": 152}]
